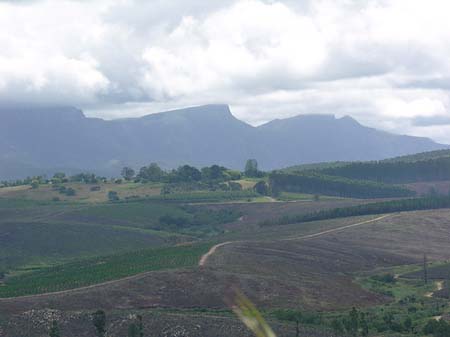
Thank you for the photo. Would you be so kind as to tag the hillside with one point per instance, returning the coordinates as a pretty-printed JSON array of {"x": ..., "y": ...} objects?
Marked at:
[{"x": 39, "y": 139}]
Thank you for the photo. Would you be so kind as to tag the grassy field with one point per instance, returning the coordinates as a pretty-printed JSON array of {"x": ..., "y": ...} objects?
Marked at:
[
  {"x": 38, "y": 233},
  {"x": 100, "y": 269},
  {"x": 25, "y": 245},
  {"x": 83, "y": 192}
]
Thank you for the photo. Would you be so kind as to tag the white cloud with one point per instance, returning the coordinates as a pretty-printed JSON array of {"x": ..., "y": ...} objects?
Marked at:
[{"x": 384, "y": 62}]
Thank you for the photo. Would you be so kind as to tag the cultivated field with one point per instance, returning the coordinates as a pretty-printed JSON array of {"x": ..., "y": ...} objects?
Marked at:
[{"x": 143, "y": 257}]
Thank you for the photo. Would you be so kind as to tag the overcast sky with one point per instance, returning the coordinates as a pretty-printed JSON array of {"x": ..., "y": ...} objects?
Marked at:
[{"x": 386, "y": 63}]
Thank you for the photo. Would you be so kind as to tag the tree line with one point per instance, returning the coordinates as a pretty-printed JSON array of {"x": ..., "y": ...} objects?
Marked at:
[
  {"x": 396, "y": 172},
  {"x": 188, "y": 173},
  {"x": 315, "y": 183},
  {"x": 401, "y": 205}
]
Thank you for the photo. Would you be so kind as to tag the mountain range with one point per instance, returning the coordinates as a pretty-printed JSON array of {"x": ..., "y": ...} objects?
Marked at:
[{"x": 42, "y": 140}]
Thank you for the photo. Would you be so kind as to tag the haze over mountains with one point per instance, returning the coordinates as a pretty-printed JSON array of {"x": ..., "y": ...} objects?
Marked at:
[{"x": 37, "y": 140}]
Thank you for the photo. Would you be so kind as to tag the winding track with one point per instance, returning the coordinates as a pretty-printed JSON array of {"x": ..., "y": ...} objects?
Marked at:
[{"x": 213, "y": 249}]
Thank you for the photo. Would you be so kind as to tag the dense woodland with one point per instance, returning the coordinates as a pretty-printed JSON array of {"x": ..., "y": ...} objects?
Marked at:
[
  {"x": 316, "y": 183},
  {"x": 396, "y": 172}
]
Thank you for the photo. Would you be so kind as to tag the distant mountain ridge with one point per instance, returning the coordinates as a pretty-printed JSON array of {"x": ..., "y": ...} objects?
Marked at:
[{"x": 36, "y": 140}]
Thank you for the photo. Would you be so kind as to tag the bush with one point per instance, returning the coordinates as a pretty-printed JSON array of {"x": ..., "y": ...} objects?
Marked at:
[
  {"x": 113, "y": 196},
  {"x": 385, "y": 278},
  {"x": 235, "y": 186},
  {"x": 70, "y": 192},
  {"x": 261, "y": 187}
]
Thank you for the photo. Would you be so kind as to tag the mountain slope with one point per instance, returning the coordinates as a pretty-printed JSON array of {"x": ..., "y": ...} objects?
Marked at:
[{"x": 36, "y": 140}]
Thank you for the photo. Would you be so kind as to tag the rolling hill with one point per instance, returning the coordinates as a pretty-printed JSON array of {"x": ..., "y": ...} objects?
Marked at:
[{"x": 40, "y": 139}]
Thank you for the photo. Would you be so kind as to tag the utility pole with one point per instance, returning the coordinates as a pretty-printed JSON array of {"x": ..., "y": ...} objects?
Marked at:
[{"x": 448, "y": 285}]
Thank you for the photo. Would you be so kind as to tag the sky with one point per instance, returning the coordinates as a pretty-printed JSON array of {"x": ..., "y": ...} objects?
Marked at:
[{"x": 384, "y": 62}]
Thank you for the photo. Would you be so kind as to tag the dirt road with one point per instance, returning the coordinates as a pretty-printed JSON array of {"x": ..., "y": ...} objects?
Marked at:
[{"x": 213, "y": 249}]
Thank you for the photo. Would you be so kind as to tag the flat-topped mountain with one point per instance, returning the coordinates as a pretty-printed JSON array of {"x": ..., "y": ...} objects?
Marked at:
[{"x": 35, "y": 140}]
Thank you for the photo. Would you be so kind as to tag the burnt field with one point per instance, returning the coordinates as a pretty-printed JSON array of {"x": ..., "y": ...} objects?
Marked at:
[{"x": 159, "y": 323}]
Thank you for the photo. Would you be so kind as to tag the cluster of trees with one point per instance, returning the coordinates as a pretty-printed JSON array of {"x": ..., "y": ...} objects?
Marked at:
[
  {"x": 68, "y": 191},
  {"x": 32, "y": 181},
  {"x": 437, "y": 328},
  {"x": 355, "y": 324},
  {"x": 315, "y": 183},
  {"x": 197, "y": 218},
  {"x": 185, "y": 173},
  {"x": 135, "y": 328},
  {"x": 396, "y": 172},
  {"x": 184, "y": 187},
  {"x": 57, "y": 179},
  {"x": 366, "y": 209}
]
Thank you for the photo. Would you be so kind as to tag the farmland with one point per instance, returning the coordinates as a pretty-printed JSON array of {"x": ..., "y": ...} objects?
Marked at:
[
  {"x": 282, "y": 270},
  {"x": 101, "y": 269},
  {"x": 293, "y": 254}
]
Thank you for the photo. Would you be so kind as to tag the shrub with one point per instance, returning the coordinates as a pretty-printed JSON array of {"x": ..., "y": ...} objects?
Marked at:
[
  {"x": 385, "y": 278},
  {"x": 70, "y": 192},
  {"x": 113, "y": 196}
]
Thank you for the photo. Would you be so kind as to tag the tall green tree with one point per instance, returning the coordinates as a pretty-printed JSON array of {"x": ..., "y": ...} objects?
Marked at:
[
  {"x": 136, "y": 329},
  {"x": 251, "y": 168},
  {"x": 99, "y": 321},
  {"x": 54, "y": 330},
  {"x": 151, "y": 173},
  {"x": 127, "y": 173}
]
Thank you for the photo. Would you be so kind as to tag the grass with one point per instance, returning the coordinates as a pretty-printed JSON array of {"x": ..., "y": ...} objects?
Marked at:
[
  {"x": 23, "y": 244},
  {"x": 83, "y": 192},
  {"x": 102, "y": 269},
  {"x": 292, "y": 196},
  {"x": 206, "y": 196}
]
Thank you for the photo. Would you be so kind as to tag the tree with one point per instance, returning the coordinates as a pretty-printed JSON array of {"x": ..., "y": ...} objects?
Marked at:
[
  {"x": 151, "y": 173},
  {"x": 187, "y": 173},
  {"x": 34, "y": 184},
  {"x": 261, "y": 187},
  {"x": 408, "y": 324},
  {"x": 251, "y": 168},
  {"x": 99, "y": 321},
  {"x": 54, "y": 330},
  {"x": 234, "y": 186},
  {"x": 70, "y": 192},
  {"x": 113, "y": 196},
  {"x": 214, "y": 172},
  {"x": 140, "y": 326},
  {"x": 353, "y": 322},
  {"x": 337, "y": 326},
  {"x": 133, "y": 330},
  {"x": 364, "y": 325},
  {"x": 136, "y": 329},
  {"x": 127, "y": 173}
]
